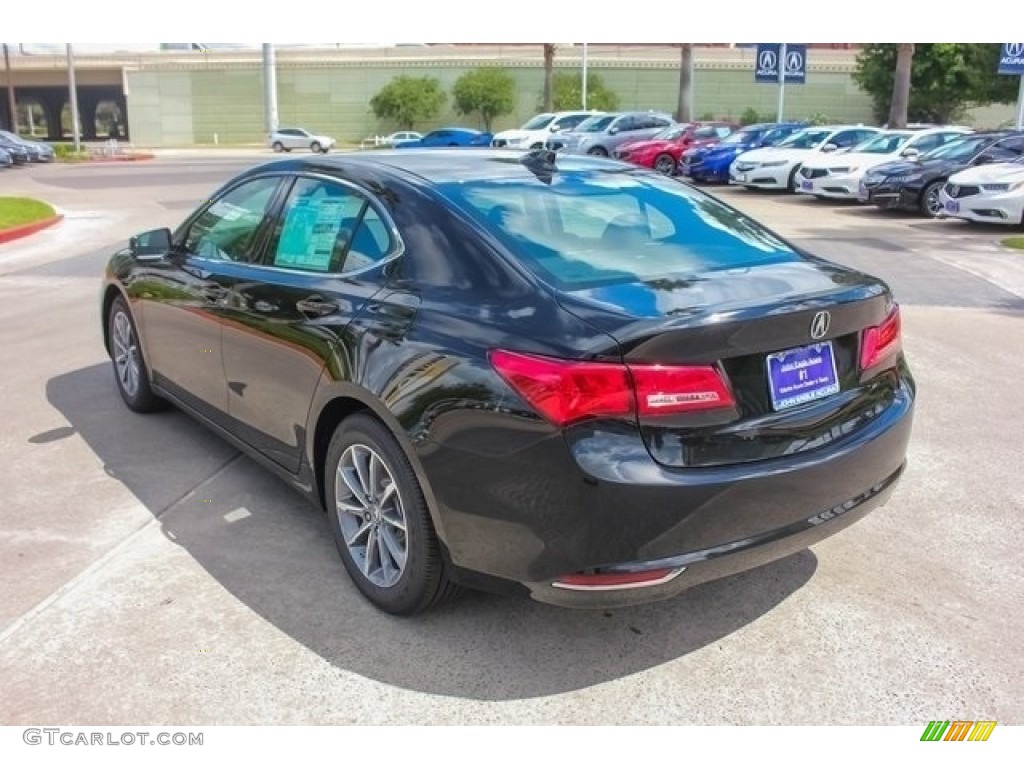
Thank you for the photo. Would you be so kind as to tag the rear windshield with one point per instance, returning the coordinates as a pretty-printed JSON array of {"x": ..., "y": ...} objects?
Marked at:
[{"x": 609, "y": 227}]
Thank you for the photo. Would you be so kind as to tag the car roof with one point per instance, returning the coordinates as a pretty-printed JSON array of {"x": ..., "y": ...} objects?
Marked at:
[{"x": 440, "y": 166}]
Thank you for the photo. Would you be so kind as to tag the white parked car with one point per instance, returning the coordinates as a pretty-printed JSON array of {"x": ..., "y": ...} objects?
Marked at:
[
  {"x": 776, "y": 167},
  {"x": 987, "y": 193},
  {"x": 398, "y": 136},
  {"x": 287, "y": 139},
  {"x": 536, "y": 131},
  {"x": 839, "y": 176}
]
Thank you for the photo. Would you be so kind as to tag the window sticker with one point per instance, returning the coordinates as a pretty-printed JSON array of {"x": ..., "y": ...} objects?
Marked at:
[{"x": 313, "y": 232}]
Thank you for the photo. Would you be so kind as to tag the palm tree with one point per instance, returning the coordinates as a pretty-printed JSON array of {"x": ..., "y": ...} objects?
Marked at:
[
  {"x": 549, "y": 69},
  {"x": 901, "y": 86},
  {"x": 684, "y": 111}
]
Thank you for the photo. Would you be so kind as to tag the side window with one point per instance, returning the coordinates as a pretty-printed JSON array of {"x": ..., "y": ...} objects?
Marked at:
[
  {"x": 1014, "y": 144},
  {"x": 931, "y": 141},
  {"x": 844, "y": 138},
  {"x": 227, "y": 229},
  {"x": 626, "y": 124},
  {"x": 327, "y": 227}
]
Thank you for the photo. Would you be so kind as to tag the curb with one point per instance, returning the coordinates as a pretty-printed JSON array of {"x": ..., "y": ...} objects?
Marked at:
[
  {"x": 24, "y": 230},
  {"x": 113, "y": 159}
]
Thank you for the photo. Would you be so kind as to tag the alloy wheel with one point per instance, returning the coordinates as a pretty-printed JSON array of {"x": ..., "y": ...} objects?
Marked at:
[
  {"x": 126, "y": 354},
  {"x": 371, "y": 515}
]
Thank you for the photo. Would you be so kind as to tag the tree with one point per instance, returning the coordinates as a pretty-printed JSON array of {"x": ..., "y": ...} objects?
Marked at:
[
  {"x": 901, "y": 86},
  {"x": 568, "y": 92},
  {"x": 549, "y": 71},
  {"x": 684, "y": 111},
  {"x": 491, "y": 91},
  {"x": 408, "y": 100},
  {"x": 948, "y": 78}
]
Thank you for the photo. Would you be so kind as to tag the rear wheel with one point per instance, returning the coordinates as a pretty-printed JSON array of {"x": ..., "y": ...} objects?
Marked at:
[
  {"x": 598, "y": 152},
  {"x": 666, "y": 164},
  {"x": 930, "y": 204},
  {"x": 130, "y": 371},
  {"x": 278, "y": 146},
  {"x": 379, "y": 517}
]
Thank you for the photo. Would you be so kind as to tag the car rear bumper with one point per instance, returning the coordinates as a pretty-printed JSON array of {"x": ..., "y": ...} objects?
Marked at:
[{"x": 540, "y": 512}]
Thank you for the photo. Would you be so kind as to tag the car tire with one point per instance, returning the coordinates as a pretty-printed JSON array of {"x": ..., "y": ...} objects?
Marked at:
[
  {"x": 315, "y": 147},
  {"x": 929, "y": 203},
  {"x": 666, "y": 164},
  {"x": 278, "y": 146},
  {"x": 791, "y": 185},
  {"x": 598, "y": 152},
  {"x": 130, "y": 371},
  {"x": 364, "y": 463}
]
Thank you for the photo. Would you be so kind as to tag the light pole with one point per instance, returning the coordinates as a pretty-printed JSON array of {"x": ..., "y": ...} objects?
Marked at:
[
  {"x": 10, "y": 91},
  {"x": 74, "y": 101},
  {"x": 584, "y": 77}
]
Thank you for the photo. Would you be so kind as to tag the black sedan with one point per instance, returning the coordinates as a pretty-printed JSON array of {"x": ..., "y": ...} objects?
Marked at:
[
  {"x": 914, "y": 185},
  {"x": 559, "y": 376}
]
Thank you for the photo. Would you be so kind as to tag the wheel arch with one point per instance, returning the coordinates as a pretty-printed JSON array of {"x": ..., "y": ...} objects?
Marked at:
[
  {"x": 337, "y": 405},
  {"x": 110, "y": 293}
]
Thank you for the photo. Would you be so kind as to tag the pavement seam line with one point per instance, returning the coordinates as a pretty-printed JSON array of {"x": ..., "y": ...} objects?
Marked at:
[{"x": 97, "y": 565}]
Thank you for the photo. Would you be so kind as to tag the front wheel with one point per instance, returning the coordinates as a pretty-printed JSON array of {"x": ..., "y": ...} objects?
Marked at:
[
  {"x": 315, "y": 147},
  {"x": 130, "y": 371},
  {"x": 791, "y": 185},
  {"x": 278, "y": 146},
  {"x": 930, "y": 203},
  {"x": 665, "y": 164},
  {"x": 380, "y": 521},
  {"x": 598, "y": 152}
]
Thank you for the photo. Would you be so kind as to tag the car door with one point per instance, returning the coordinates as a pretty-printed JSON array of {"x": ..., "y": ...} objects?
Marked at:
[
  {"x": 287, "y": 316},
  {"x": 181, "y": 294}
]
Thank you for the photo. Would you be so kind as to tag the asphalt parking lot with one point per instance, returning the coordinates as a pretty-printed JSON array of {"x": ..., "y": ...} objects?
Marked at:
[{"x": 152, "y": 574}]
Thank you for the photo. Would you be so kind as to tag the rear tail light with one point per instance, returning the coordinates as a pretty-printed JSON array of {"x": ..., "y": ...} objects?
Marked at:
[
  {"x": 880, "y": 343},
  {"x": 564, "y": 391}
]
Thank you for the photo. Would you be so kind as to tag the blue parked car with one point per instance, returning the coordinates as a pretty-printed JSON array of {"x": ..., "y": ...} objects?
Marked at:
[
  {"x": 712, "y": 163},
  {"x": 450, "y": 137}
]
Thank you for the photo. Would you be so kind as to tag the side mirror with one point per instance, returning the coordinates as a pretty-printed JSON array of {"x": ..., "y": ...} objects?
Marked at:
[
  {"x": 153, "y": 244},
  {"x": 986, "y": 158},
  {"x": 612, "y": 131},
  {"x": 830, "y": 148},
  {"x": 911, "y": 153}
]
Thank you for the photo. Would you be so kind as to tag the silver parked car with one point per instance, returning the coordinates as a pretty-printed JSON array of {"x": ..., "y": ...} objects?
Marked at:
[
  {"x": 287, "y": 139},
  {"x": 600, "y": 134},
  {"x": 37, "y": 151}
]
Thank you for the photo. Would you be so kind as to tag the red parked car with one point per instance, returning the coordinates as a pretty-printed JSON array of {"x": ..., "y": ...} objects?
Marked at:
[{"x": 662, "y": 151}]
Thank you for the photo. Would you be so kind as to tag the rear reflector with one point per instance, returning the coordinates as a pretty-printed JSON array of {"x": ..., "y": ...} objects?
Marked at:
[
  {"x": 564, "y": 391},
  {"x": 601, "y": 582},
  {"x": 879, "y": 343}
]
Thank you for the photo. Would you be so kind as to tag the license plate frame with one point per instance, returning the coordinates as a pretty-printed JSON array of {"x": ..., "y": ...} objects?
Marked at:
[
  {"x": 801, "y": 375},
  {"x": 952, "y": 206},
  {"x": 806, "y": 186}
]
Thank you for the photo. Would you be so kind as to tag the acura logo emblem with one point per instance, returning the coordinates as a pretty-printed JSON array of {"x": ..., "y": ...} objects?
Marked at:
[
  {"x": 820, "y": 324},
  {"x": 768, "y": 60},
  {"x": 1014, "y": 49}
]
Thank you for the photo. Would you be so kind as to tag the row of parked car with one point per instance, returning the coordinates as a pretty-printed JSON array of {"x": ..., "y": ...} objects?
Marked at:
[
  {"x": 937, "y": 171},
  {"x": 16, "y": 150}
]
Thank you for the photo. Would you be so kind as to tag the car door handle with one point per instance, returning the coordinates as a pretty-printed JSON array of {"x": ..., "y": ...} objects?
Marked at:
[{"x": 316, "y": 306}]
